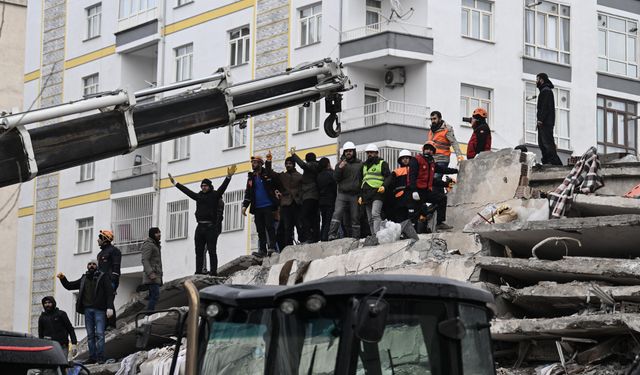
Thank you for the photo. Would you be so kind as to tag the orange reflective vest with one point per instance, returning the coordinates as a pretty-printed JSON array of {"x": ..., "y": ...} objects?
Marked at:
[
  {"x": 443, "y": 146},
  {"x": 400, "y": 181}
]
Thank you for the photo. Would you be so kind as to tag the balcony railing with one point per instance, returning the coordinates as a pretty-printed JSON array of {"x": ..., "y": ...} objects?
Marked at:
[
  {"x": 131, "y": 218},
  {"x": 137, "y": 18},
  {"x": 376, "y": 28},
  {"x": 137, "y": 170},
  {"x": 384, "y": 112}
]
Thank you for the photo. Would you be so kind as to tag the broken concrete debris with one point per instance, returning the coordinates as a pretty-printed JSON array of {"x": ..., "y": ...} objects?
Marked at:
[{"x": 576, "y": 309}]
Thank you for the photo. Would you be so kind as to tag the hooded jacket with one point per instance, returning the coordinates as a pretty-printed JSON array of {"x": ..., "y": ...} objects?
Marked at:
[
  {"x": 546, "y": 107},
  {"x": 309, "y": 176},
  {"x": 55, "y": 324},
  {"x": 291, "y": 183},
  {"x": 327, "y": 188},
  {"x": 103, "y": 292},
  {"x": 151, "y": 261},
  {"x": 109, "y": 259},
  {"x": 206, "y": 203},
  {"x": 270, "y": 183},
  {"x": 349, "y": 178}
]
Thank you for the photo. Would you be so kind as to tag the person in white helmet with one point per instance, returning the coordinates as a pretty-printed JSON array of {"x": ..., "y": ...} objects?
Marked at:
[
  {"x": 348, "y": 175},
  {"x": 375, "y": 178},
  {"x": 402, "y": 208}
]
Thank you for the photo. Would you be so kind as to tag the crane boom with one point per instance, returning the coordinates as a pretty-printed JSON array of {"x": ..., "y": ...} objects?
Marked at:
[{"x": 28, "y": 150}]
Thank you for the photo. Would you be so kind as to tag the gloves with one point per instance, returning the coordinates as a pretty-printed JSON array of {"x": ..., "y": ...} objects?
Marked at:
[
  {"x": 381, "y": 189},
  {"x": 244, "y": 211},
  {"x": 231, "y": 170},
  {"x": 269, "y": 156},
  {"x": 109, "y": 313},
  {"x": 360, "y": 201},
  {"x": 415, "y": 196},
  {"x": 460, "y": 158}
]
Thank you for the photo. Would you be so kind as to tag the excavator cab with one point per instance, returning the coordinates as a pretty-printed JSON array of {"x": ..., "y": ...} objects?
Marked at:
[{"x": 373, "y": 324}]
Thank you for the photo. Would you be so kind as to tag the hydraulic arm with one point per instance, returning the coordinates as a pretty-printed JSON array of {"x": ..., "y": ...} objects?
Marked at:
[{"x": 28, "y": 149}]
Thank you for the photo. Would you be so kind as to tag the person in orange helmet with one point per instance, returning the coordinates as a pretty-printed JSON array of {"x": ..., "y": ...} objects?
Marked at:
[{"x": 481, "y": 138}]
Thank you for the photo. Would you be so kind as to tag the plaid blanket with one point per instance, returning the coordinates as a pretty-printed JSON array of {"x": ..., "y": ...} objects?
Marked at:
[{"x": 584, "y": 178}]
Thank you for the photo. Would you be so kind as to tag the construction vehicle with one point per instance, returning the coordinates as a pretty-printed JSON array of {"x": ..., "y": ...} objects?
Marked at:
[
  {"x": 365, "y": 324},
  {"x": 28, "y": 149}
]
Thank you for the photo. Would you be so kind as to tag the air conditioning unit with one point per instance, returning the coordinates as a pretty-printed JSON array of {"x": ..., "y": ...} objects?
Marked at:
[{"x": 394, "y": 77}]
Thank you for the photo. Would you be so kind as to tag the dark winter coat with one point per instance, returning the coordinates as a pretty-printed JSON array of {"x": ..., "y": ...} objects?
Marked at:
[
  {"x": 291, "y": 183},
  {"x": 270, "y": 182},
  {"x": 103, "y": 293},
  {"x": 369, "y": 193},
  {"x": 546, "y": 112},
  {"x": 55, "y": 325},
  {"x": 327, "y": 188},
  {"x": 309, "y": 175},
  {"x": 480, "y": 140},
  {"x": 206, "y": 203},
  {"x": 349, "y": 178},
  {"x": 151, "y": 261},
  {"x": 109, "y": 260},
  {"x": 422, "y": 170}
]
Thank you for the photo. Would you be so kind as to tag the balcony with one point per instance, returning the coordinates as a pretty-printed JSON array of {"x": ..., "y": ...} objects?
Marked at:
[
  {"x": 387, "y": 43},
  {"x": 131, "y": 218},
  {"x": 133, "y": 178},
  {"x": 131, "y": 17},
  {"x": 385, "y": 120}
]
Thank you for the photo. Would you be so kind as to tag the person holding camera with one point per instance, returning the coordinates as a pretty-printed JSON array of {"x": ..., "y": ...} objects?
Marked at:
[{"x": 481, "y": 138}]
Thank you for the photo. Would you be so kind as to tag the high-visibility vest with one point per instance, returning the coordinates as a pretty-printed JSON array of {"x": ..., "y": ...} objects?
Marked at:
[
  {"x": 372, "y": 176},
  {"x": 443, "y": 146},
  {"x": 401, "y": 181},
  {"x": 426, "y": 170}
]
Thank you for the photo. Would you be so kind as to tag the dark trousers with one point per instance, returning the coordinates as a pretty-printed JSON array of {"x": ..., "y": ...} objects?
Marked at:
[
  {"x": 437, "y": 177},
  {"x": 547, "y": 145},
  {"x": 206, "y": 234},
  {"x": 439, "y": 199},
  {"x": 265, "y": 227},
  {"x": 311, "y": 220},
  {"x": 290, "y": 219},
  {"x": 326, "y": 213},
  {"x": 154, "y": 295}
]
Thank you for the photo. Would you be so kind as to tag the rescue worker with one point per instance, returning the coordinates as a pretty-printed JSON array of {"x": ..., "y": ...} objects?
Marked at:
[
  {"x": 109, "y": 260},
  {"x": 441, "y": 134},
  {"x": 310, "y": 195},
  {"x": 480, "y": 140},
  {"x": 348, "y": 175},
  {"x": 375, "y": 177},
  {"x": 291, "y": 201},
  {"x": 54, "y": 324},
  {"x": 152, "y": 266},
  {"x": 423, "y": 169},
  {"x": 328, "y": 189},
  {"x": 207, "y": 231},
  {"x": 261, "y": 196},
  {"x": 403, "y": 205},
  {"x": 546, "y": 120}
]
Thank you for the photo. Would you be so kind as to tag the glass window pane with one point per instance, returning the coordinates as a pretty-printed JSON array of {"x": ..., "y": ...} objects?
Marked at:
[
  {"x": 621, "y": 136},
  {"x": 602, "y": 64},
  {"x": 529, "y": 51},
  {"x": 245, "y": 31},
  {"x": 306, "y": 12},
  {"x": 483, "y": 93},
  {"x": 312, "y": 30},
  {"x": 473, "y": 104},
  {"x": 563, "y": 144},
  {"x": 600, "y": 120},
  {"x": 602, "y": 43},
  {"x": 617, "y": 105},
  {"x": 303, "y": 33},
  {"x": 463, "y": 107},
  {"x": 319, "y": 28},
  {"x": 563, "y": 99},
  {"x": 552, "y": 32},
  {"x": 548, "y": 7},
  {"x": 468, "y": 3},
  {"x": 466, "y": 90},
  {"x": 602, "y": 20},
  {"x": 529, "y": 26},
  {"x": 308, "y": 119},
  {"x": 617, "y": 24},
  {"x": 617, "y": 45},
  {"x": 233, "y": 54},
  {"x": 562, "y": 124},
  {"x": 486, "y": 27},
  {"x": 617, "y": 67},
  {"x": 300, "y": 118},
  {"x": 565, "y": 11},
  {"x": 540, "y": 29},
  {"x": 600, "y": 101},
  {"x": 247, "y": 45},
  {"x": 609, "y": 127},
  {"x": 632, "y": 70},
  {"x": 235, "y": 34},
  {"x": 631, "y": 128},
  {"x": 631, "y": 50},
  {"x": 475, "y": 24},
  {"x": 239, "y": 59},
  {"x": 483, "y": 5},
  {"x": 564, "y": 34},
  {"x": 464, "y": 21}
]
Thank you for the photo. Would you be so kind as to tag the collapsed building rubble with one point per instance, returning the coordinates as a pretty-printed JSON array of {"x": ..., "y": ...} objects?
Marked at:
[{"x": 567, "y": 307}]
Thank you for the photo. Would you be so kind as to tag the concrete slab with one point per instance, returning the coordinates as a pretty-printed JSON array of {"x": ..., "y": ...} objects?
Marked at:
[
  {"x": 597, "y": 205},
  {"x": 465, "y": 243},
  {"x": 239, "y": 264},
  {"x": 602, "y": 236},
  {"x": 308, "y": 252},
  {"x": 256, "y": 275},
  {"x": 580, "y": 326},
  {"x": 619, "y": 178},
  {"x": 532, "y": 271}
]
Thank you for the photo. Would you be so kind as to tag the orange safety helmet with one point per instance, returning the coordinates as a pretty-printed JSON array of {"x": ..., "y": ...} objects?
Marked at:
[
  {"x": 430, "y": 143},
  {"x": 257, "y": 158},
  {"x": 480, "y": 112},
  {"x": 106, "y": 234}
]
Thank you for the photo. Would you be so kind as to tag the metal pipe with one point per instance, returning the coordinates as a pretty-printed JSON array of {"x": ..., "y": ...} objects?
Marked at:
[
  {"x": 249, "y": 108},
  {"x": 191, "y": 365},
  {"x": 256, "y": 85},
  {"x": 179, "y": 85},
  {"x": 11, "y": 121}
]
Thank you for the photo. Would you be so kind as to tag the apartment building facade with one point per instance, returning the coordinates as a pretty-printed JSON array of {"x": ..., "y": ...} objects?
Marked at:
[{"x": 406, "y": 58}]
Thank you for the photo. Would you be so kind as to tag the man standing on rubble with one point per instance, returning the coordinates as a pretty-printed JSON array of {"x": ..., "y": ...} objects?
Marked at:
[
  {"x": 348, "y": 175},
  {"x": 403, "y": 205},
  {"x": 95, "y": 301},
  {"x": 546, "y": 119},
  {"x": 109, "y": 259},
  {"x": 423, "y": 169},
  {"x": 441, "y": 134},
  {"x": 328, "y": 190},
  {"x": 375, "y": 177},
  {"x": 152, "y": 266},
  {"x": 54, "y": 324},
  {"x": 291, "y": 201},
  {"x": 310, "y": 195},
  {"x": 207, "y": 205}
]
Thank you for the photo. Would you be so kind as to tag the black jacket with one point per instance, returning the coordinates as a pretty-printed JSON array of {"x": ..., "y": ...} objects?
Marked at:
[
  {"x": 546, "y": 112},
  {"x": 109, "y": 259},
  {"x": 270, "y": 182},
  {"x": 55, "y": 325},
  {"x": 349, "y": 178},
  {"x": 327, "y": 188},
  {"x": 103, "y": 292},
  {"x": 309, "y": 175},
  {"x": 206, "y": 203}
]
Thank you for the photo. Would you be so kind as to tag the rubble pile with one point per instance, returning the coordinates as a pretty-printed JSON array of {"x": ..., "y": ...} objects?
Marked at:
[{"x": 567, "y": 290}]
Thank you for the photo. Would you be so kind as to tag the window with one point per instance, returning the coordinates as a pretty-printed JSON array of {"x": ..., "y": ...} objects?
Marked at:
[
  {"x": 129, "y": 8},
  {"x": 87, "y": 172},
  {"x": 181, "y": 148},
  {"x": 178, "y": 219},
  {"x": 84, "y": 228},
  {"x": 239, "y": 46},
  {"x": 373, "y": 16},
  {"x": 78, "y": 319},
  {"x": 561, "y": 129},
  {"x": 617, "y": 125},
  {"x": 237, "y": 137},
  {"x": 94, "y": 20},
  {"x": 617, "y": 45},
  {"x": 472, "y": 97},
  {"x": 547, "y": 32},
  {"x": 310, "y": 24},
  {"x": 233, "y": 219},
  {"x": 131, "y": 218},
  {"x": 477, "y": 19},
  {"x": 184, "y": 62},
  {"x": 91, "y": 84},
  {"x": 309, "y": 117},
  {"x": 180, "y": 3},
  {"x": 371, "y": 106}
]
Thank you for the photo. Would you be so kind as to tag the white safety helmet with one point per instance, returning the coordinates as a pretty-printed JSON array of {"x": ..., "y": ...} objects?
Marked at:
[
  {"x": 348, "y": 146},
  {"x": 371, "y": 148},
  {"x": 404, "y": 153}
]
